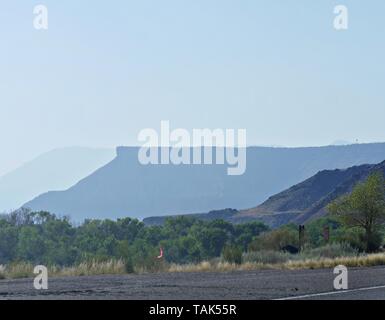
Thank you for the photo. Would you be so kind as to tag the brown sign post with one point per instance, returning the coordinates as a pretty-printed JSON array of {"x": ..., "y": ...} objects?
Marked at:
[
  {"x": 326, "y": 233},
  {"x": 301, "y": 236}
]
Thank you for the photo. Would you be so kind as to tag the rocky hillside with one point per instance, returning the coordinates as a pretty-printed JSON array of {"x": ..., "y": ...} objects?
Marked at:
[
  {"x": 298, "y": 204},
  {"x": 308, "y": 200}
]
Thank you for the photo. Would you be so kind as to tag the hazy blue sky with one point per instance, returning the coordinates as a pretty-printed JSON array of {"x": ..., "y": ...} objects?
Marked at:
[{"x": 106, "y": 69}]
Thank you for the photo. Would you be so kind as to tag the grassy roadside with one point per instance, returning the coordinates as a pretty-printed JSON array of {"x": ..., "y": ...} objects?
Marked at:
[
  {"x": 25, "y": 270},
  {"x": 369, "y": 260},
  {"x": 114, "y": 267}
]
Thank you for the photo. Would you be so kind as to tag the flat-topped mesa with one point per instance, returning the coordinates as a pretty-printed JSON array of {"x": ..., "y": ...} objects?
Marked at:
[
  {"x": 234, "y": 159},
  {"x": 127, "y": 152},
  {"x": 124, "y": 187}
]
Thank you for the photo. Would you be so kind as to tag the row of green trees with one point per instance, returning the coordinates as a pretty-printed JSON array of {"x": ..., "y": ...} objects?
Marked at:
[{"x": 41, "y": 237}]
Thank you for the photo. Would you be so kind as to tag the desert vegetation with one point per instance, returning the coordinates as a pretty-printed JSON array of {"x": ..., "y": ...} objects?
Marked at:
[
  {"x": 355, "y": 235},
  {"x": 31, "y": 238}
]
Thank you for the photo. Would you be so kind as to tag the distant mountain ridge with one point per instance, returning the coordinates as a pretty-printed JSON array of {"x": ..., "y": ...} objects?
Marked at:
[
  {"x": 54, "y": 170},
  {"x": 124, "y": 187}
]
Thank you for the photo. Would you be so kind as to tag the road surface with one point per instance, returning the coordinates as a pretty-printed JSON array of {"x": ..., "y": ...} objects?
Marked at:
[{"x": 364, "y": 283}]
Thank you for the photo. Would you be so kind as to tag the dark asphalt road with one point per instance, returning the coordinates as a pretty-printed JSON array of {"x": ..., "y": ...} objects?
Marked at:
[{"x": 248, "y": 285}]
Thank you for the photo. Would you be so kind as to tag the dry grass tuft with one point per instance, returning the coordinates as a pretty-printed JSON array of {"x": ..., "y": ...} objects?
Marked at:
[
  {"x": 92, "y": 268},
  {"x": 370, "y": 260},
  {"x": 18, "y": 270},
  {"x": 25, "y": 270},
  {"x": 317, "y": 263}
]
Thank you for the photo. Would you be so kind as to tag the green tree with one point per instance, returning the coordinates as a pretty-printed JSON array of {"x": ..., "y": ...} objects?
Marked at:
[
  {"x": 31, "y": 245},
  {"x": 245, "y": 233},
  {"x": 213, "y": 241},
  {"x": 275, "y": 240},
  {"x": 363, "y": 208},
  {"x": 232, "y": 254},
  {"x": 8, "y": 241}
]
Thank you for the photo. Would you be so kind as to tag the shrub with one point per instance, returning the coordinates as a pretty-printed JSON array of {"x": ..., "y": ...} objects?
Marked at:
[
  {"x": 2, "y": 272},
  {"x": 275, "y": 240},
  {"x": 128, "y": 266},
  {"x": 333, "y": 250},
  {"x": 373, "y": 241},
  {"x": 232, "y": 254}
]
